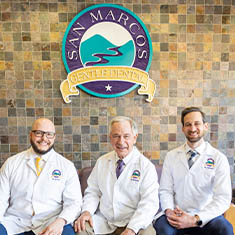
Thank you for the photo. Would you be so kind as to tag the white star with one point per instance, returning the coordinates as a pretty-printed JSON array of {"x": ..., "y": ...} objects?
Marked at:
[{"x": 108, "y": 88}]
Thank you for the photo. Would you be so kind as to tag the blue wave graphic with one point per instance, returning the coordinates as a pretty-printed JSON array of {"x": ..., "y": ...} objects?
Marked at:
[
  {"x": 98, "y": 51},
  {"x": 102, "y": 59}
]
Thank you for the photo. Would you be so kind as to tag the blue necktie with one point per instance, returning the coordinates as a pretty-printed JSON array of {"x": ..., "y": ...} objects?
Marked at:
[
  {"x": 120, "y": 167},
  {"x": 192, "y": 158}
]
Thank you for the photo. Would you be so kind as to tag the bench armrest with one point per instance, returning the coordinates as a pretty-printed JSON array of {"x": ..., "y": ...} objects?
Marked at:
[{"x": 230, "y": 215}]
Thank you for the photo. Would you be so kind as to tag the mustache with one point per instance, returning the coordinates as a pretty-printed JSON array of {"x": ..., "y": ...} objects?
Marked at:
[
  {"x": 41, "y": 141},
  {"x": 191, "y": 132},
  {"x": 37, "y": 150}
]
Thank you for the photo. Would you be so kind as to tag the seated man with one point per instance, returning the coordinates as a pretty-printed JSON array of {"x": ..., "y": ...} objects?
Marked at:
[
  {"x": 39, "y": 189},
  {"x": 195, "y": 188},
  {"x": 122, "y": 192}
]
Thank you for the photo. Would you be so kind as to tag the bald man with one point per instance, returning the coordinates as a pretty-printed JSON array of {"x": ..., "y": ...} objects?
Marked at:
[{"x": 39, "y": 189}]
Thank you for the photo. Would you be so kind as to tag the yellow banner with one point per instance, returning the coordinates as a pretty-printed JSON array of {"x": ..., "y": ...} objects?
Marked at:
[{"x": 107, "y": 73}]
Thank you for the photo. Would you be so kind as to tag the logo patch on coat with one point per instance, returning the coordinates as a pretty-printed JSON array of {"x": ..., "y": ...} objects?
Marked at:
[
  {"x": 210, "y": 163},
  {"x": 135, "y": 175},
  {"x": 56, "y": 174}
]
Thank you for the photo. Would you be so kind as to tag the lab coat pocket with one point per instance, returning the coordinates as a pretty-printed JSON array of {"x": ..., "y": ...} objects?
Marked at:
[
  {"x": 53, "y": 186},
  {"x": 133, "y": 189},
  {"x": 57, "y": 184},
  {"x": 130, "y": 196},
  {"x": 209, "y": 175},
  {"x": 207, "y": 178},
  {"x": 134, "y": 184}
]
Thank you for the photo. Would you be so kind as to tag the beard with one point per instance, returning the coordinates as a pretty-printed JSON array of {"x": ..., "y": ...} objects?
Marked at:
[
  {"x": 194, "y": 140},
  {"x": 37, "y": 150}
]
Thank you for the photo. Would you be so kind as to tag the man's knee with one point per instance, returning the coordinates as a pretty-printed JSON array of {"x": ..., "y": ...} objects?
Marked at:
[
  {"x": 3, "y": 230},
  {"x": 220, "y": 225},
  {"x": 148, "y": 231},
  {"x": 162, "y": 226},
  {"x": 88, "y": 231},
  {"x": 68, "y": 230}
]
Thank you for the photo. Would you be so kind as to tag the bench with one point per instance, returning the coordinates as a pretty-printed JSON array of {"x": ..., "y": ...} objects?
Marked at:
[{"x": 85, "y": 172}]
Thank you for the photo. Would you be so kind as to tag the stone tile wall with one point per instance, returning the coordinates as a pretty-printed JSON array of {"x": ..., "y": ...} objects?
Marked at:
[{"x": 193, "y": 64}]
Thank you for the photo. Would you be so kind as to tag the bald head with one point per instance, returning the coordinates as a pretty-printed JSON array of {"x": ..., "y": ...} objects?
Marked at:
[{"x": 43, "y": 124}]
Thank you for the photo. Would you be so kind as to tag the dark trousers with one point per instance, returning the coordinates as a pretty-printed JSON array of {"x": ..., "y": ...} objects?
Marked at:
[
  {"x": 68, "y": 230},
  {"x": 217, "y": 226}
]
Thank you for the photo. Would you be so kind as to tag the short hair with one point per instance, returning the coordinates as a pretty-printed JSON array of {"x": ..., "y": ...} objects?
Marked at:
[
  {"x": 190, "y": 110},
  {"x": 122, "y": 119}
]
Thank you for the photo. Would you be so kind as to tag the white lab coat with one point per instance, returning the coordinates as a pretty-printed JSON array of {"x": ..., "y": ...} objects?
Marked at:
[
  {"x": 55, "y": 193},
  {"x": 131, "y": 200},
  {"x": 204, "y": 189}
]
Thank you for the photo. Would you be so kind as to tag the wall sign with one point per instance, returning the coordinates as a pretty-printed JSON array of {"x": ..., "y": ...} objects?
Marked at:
[{"x": 107, "y": 52}]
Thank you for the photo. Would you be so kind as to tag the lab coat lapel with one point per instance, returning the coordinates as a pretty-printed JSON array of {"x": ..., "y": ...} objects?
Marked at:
[
  {"x": 49, "y": 165},
  {"x": 182, "y": 156},
  {"x": 112, "y": 165},
  {"x": 31, "y": 163},
  {"x": 30, "y": 159}
]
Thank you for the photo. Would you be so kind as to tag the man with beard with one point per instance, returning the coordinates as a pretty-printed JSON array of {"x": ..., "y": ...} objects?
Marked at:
[
  {"x": 122, "y": 193},
  {"x": 39, "y": 189},
  {"x": 195, "y": 187}
]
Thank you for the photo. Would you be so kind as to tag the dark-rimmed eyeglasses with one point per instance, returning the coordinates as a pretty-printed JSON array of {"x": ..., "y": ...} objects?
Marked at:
[{"x": 48, "y": 134}]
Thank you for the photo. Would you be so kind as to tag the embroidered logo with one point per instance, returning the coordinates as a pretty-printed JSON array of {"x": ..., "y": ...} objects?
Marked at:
[
  {"x": 135, "y": 175},
  {"x": 107, "y": 52},
  {"x": 56, "y": 174},
  {"x": 210, "y": 163}
]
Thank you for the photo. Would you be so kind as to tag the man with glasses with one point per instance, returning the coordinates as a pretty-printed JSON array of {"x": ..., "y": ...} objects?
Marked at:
[{"x": 39, "y": 189}]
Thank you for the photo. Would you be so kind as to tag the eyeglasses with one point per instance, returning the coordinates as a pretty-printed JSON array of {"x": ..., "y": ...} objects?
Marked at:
[{"x": 49, "y": 135}]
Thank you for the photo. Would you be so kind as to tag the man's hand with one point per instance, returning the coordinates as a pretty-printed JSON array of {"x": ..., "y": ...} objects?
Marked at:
[
  {"x": 128, "y": 231},
  {"x": 180, "y": 219},
  {"x": 169, "y": 212},
  {"x": 79, "y": 224},
  {"x": 55, "y": 228}
]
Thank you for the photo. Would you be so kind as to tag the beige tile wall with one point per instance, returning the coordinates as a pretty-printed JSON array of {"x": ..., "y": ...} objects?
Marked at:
[{"x": 193, "y": 64}]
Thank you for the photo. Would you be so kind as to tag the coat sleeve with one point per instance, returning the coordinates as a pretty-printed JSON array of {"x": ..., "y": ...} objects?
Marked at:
[
  {"x": 72, "y": 197},
  {"x": 166, "y": 190},
  {"x": 149, "y": 202},
  {"x": 4, "y": 189},
  {"x": 92, "y": 192},
  {"x": 222, "y": 192}
]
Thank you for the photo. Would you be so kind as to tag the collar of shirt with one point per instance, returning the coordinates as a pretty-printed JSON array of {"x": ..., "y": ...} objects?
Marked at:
[
  {"x": 44, "y": 157},
  {"x": 199, "y": 149},
  {"x": 125, "y": 159}
]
